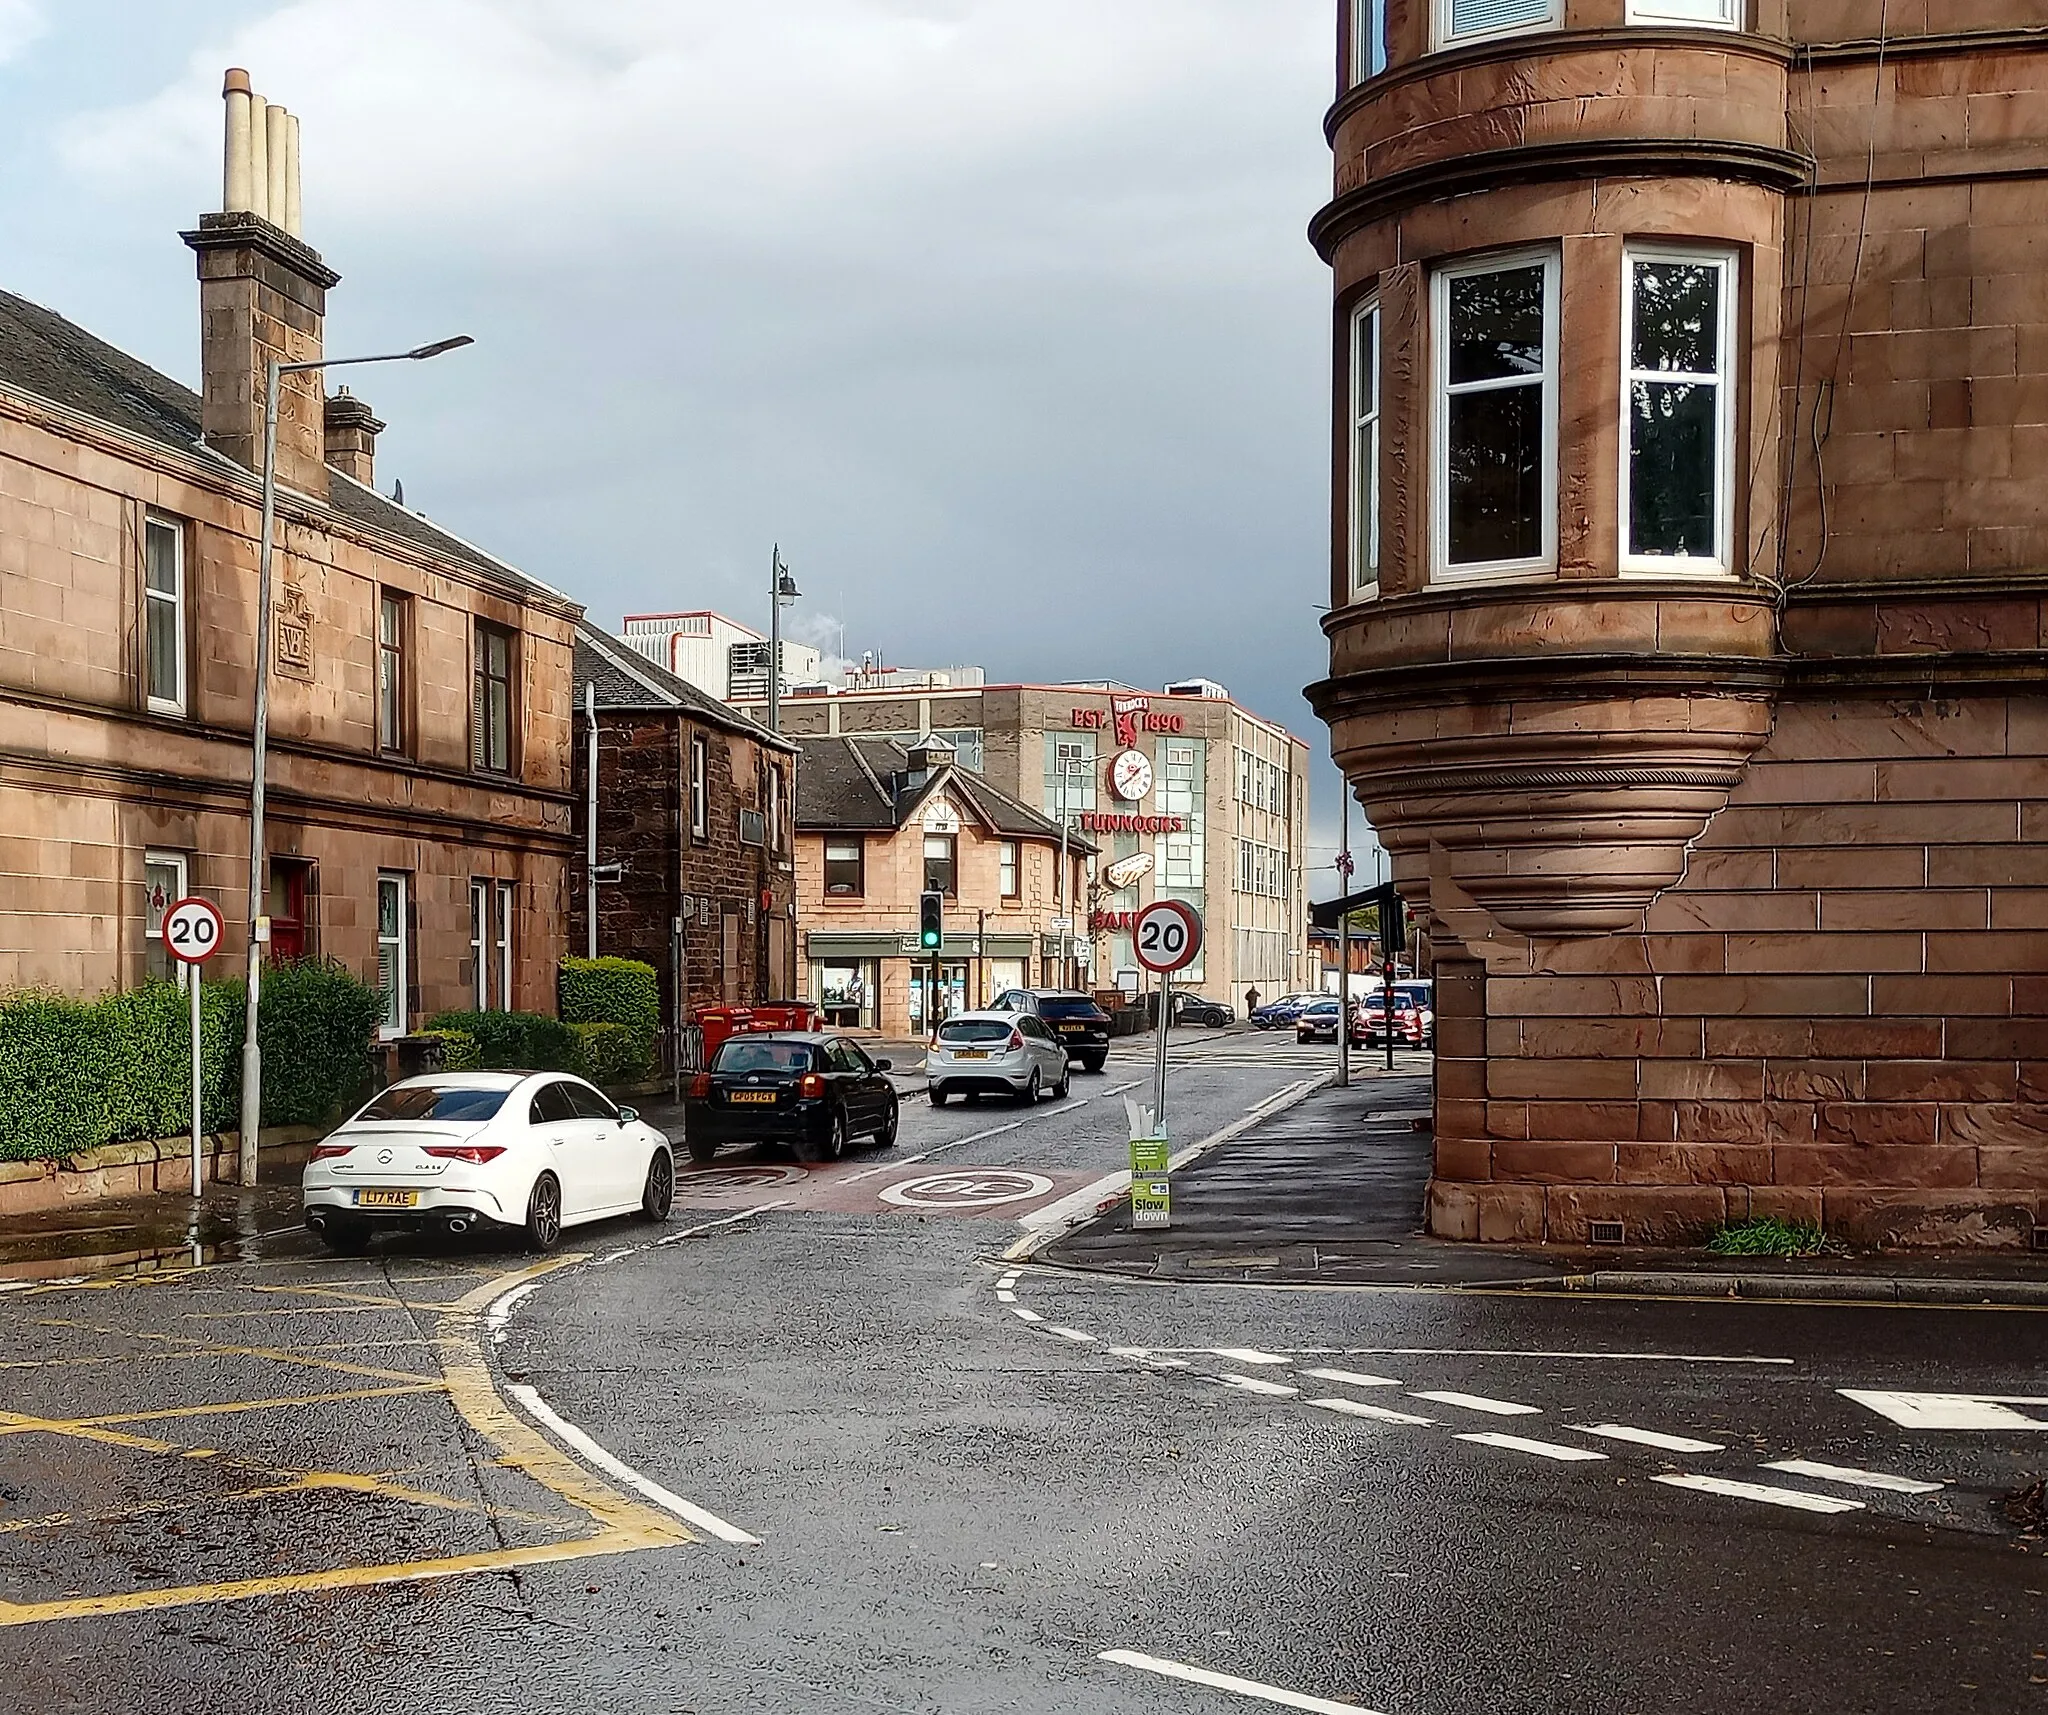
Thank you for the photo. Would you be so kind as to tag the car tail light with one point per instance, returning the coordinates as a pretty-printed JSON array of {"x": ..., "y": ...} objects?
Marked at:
[
  {"x": 1016, "y": 1038},
  {"x": 700, "y": 1085},
  {"x": 328, "y": 1151},
  {"x": 812, "y": 1085},
  {"x": 476, "y": 1154}
]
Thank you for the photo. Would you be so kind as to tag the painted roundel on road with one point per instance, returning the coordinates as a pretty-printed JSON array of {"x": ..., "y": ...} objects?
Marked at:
[{"x": 1130, "y": 775}]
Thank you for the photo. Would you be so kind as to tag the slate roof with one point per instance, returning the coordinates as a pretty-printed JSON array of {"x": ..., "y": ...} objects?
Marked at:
[
  {"x": 861, "y": 785},
  {"x": 54, "y": 359},
  {"x": 628, "y": 682}
]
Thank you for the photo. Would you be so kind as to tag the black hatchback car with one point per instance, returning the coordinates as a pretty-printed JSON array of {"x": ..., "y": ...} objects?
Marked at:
[
  {"x": 812, "y": 1092},
  {"x": 1073, "y": 1017}
]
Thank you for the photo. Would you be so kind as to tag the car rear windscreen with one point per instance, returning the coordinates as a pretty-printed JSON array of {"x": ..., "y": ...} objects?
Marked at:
[
  {"x": 740, "y": 1056},
  {"x": 449, "y": 1104},
  {"x": 975, "y": 1030}
]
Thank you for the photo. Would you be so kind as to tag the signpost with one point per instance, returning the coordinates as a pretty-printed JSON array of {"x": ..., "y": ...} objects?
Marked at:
[
  {"x": 192, "y": 932},
  {"x": 1167, "y": 937}
]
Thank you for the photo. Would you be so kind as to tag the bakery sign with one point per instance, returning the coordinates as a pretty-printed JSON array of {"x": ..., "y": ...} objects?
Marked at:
[{"x": 1127, "y": 717}]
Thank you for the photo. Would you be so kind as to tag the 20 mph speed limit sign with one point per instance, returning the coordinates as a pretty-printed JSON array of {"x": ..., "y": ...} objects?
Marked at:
[
  {"x": 1167, "y": 936},
  {"x": 193, "y": 930}
]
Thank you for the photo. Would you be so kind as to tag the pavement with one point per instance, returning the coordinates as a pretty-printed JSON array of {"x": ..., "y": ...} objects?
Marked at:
[{"x": 827, "y": 1441}]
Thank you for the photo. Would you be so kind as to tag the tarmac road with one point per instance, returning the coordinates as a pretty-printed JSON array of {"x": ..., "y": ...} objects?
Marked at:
[{"x": 436, "y": 1479}]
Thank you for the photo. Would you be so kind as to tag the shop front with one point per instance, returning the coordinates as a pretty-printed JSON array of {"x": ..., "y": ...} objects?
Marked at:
[{"x": 884, "y": 982}]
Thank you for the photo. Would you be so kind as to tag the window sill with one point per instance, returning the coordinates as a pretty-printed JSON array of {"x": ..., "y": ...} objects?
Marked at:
[
  {"x": 1693, "y": 571},
  {"x": 157, "y": 706},
  {"x": 1479, "y": 576}
]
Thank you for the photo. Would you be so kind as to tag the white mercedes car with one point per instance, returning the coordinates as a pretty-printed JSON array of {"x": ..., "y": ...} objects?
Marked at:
[{"x": 538, "y": 1151}]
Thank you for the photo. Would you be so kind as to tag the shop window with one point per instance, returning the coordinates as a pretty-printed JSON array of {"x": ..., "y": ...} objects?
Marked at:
[
  {"x": 845, "y": 869},
  {"x": 291, "y": 909},
  {"x": 940, "y": 865},
  {"x": 1476, "y": 20},
  {"x": 1677, "y": 491},
  {"x": 1365, "y": 453},
  {"x": 164, "y": 616},
  {"x": 491, "y": 697},
  {"x": 164, "y": 876},
  {"x": 394, "y": 617},
  {"x": 1496, "y": 431}
]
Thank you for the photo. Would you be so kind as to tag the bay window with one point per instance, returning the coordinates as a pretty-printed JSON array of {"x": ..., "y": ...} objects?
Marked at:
[
  {"x": 1476, "y": 20},
  {"x": 1495, "y": 453},
  {"x": 1365, "y": 452},
  {"x": 1368, "y": 39},
  {"x": 1678, "y": 346}
]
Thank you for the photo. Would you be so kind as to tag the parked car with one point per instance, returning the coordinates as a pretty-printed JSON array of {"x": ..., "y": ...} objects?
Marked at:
[
  {"x": 1200, "y": 1009},
  {"x": 1073, "y": 1017},
  {"x": 533, "y": 1151},
  {"x": 809, "y": 1090},
  {"x": 1011, "y": 1054},
  {"x": 1318, "y": 1022},
  {"x": 1284, "y": 1010}
]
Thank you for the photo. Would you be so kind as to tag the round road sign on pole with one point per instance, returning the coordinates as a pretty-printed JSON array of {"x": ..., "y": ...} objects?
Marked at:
[
  {"x": 193, "y": 930},
  {"x": 1167, "y": 936}
]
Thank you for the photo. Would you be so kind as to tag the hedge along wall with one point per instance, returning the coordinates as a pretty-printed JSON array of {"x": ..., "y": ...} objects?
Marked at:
[
  {"x": 611, "y": 991},
  {"x": 77, "y": 1074}
]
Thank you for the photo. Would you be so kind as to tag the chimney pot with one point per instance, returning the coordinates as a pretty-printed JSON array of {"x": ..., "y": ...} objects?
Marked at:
[{"x": 237, "y": 82}]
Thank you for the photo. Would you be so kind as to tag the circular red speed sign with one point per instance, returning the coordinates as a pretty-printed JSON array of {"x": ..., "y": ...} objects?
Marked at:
[
  {"x": 192, "y": 930},
  {"x": 1167, "y": 936}
]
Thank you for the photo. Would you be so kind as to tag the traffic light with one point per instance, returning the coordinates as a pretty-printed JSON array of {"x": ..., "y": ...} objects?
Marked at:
[
  {"x": 931, "y": 921},
  {"x": 1393, "y": 921}
]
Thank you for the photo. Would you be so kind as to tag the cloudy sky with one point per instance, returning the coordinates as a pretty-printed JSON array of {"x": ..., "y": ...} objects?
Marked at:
[{"x": 997, "y": 314}]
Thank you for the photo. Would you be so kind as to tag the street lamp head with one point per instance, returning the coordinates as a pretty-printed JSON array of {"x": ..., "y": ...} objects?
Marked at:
[
  {"x": 440, "y": 345},
  {"x": 785, "y": 588}
]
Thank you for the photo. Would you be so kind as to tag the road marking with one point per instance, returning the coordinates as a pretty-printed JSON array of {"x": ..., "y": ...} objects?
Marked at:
[
  {"x": 1947, "y": 1410},
  {"x": 622, "y": 1251},
  {"x": 500, "y": 1313},
  {"x": 896, "y": 1162},
  {"x": 1020, "y": 1312},
  {"x": 968, "y": 1188},
  {"x": 1246, "y": 1355},
  {"x": 1009, "y": 1280},
  {"x": 1005, "y": 1296},
  {"x": 1649, "y": 1438},
  {"x": 1258, "y": 1385},
  {"x": 1797, "y": 1499},
  {"x": 1074, "y": 1334},
  {"x": 1378, "y": 1413},
  {"x": 1228, "y": 1682},
  {"x": 1856, "y": 1479},
  {"x": 1542, "y": 1449},
  {"x": 712, "y": 1525},
  {"x": 1479, "y": 1402},
  {"x": 1353, "y": 1378},
  {"x": 1506, "y": 1352},
  {"x": 725, "y": 1221}
]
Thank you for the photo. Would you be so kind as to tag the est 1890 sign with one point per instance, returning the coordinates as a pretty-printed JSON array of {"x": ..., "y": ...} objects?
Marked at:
[{"x": 1167, "y": 936}]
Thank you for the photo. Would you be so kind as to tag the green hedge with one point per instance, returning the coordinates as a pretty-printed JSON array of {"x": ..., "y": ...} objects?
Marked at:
[
  {"x": 612, "y": 991},
  {"x": 516, "y": 1041},
  {"x": 77, "y": 1074},
  {"x": 613, "y": 1055},
  {"x": 459, "y": 1051}
]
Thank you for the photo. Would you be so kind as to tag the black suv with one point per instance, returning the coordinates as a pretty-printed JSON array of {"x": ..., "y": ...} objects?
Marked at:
[
  {"x": 1074, "y": 1018},
  {"x": 1199, "y": 1009}
]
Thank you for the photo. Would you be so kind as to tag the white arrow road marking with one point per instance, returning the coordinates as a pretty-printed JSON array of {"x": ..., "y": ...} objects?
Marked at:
[
  {"x": 1794, "y": 1498},
  {"x": 1946, "y": 1410},
  {"x": 1230, "y": 1683},
  {"x": 1353, "y": 1378},
  {"x": 1479, "y": 1402},
  {"x": 1854, "y": 1478},
  {"x": 1649, "y": 1438},
  {"x": 1378, "y": 1413},
  {"x": 1542, "y": 1449}
]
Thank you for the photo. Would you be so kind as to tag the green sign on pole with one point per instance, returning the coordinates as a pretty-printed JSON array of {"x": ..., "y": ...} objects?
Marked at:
[{"x": 1151, "y": 1182}]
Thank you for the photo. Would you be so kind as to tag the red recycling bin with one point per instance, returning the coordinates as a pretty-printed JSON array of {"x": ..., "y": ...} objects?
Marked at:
[
  {"x": 719, "y": 1022},
  {"x": 788, "y": 1015}
]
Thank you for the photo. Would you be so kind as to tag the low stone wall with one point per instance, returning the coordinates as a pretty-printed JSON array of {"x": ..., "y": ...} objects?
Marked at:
[{"x": 137, "y": 1169}]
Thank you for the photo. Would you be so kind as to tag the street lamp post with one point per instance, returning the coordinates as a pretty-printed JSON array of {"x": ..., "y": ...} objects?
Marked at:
[
  {"x": 782, "y": 591},
  {"x": 252, "y": 1053}
]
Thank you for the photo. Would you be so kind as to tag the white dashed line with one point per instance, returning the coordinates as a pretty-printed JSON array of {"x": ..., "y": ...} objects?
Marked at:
[
  {"x": 1542, "y": 1449},
  {"x": 1353, "y": 1378},
  {"x": 1794, "y": 1498},
  {"x": 1246, "y": 1355},
  {"x": 543, "y": 1414},
  {"x": 1376, "y": 1413},
  {"x": 1855, "y": 1478},
  {"x": 1009, "y": 1280},
  {"x": 614, "y": 1256},
  {"x": 1479, "y": 1402},
  {"x": 1258, "y": 1385},
  {"x": 1228, "y": 1682},
  {"x": 1024, "y": 1315},
  {"x": 1649, "y": 1438},
  {"x": 501, "y": 1310},
  {"x": 1006, "y": 1297},
  {"x": 1946, "y": 1410},
  {"x": 1074, "y": 1334},
  {"x": 724, "y": 1221}
]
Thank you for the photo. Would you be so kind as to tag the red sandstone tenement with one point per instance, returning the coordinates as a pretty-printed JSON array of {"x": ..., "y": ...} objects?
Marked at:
[{"x": 1688, "y": 648}]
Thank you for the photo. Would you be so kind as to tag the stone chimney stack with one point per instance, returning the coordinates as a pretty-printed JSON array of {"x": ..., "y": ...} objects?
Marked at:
[
  {"x": 352, "y": 431},
  {"x": 262, "y": 294}
]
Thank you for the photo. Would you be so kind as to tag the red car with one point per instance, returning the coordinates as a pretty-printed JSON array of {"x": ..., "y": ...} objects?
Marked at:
[{"x": 1414, "y": 1023}]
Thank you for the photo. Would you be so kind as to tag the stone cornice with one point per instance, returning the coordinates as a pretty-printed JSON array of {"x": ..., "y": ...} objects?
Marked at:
[
  {"x": 2018, "y": 40},
  {"x": 252, "y": 232},
  {"x": 1630, "y": 158},
  {"x": 1547, "y": 674}
]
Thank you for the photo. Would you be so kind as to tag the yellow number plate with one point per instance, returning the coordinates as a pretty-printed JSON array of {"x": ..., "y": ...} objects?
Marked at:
[
  {"x": 765, "y": 1098},
  {"x": 387, "y": 1199},
  {"x": 1073, "y": 1029},
  {"x": 970, "y": 1054}
]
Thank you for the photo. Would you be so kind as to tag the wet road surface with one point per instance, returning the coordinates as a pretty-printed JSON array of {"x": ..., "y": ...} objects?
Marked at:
[{"x": 816, "y": 1445}]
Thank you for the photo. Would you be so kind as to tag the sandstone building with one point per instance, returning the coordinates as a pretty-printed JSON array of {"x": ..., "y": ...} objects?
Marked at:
[
  {"x": 1690, "y": 554},
  {"x": 419, "y": 810}
]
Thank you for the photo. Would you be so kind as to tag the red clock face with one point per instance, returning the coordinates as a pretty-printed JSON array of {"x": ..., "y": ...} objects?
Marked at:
[{"x": 1130, "y": 776}]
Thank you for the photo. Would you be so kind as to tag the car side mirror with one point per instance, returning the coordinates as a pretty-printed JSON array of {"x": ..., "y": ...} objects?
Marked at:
[
  {"x": 628, "y": 1115},
  {"x": 883, "y": 1065}
]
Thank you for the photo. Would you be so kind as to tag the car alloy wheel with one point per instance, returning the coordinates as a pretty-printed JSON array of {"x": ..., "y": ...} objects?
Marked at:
[
  {"x": 544, "y": 1214},
  {"x": 658, "y": 1196},
  {"x": 886, "y": 1137},
  {"x": 1028, "y": 1096}
]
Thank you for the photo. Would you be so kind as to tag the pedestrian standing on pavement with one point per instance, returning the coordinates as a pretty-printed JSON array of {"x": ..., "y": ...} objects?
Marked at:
[{"x": 1251, "y": 999}]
